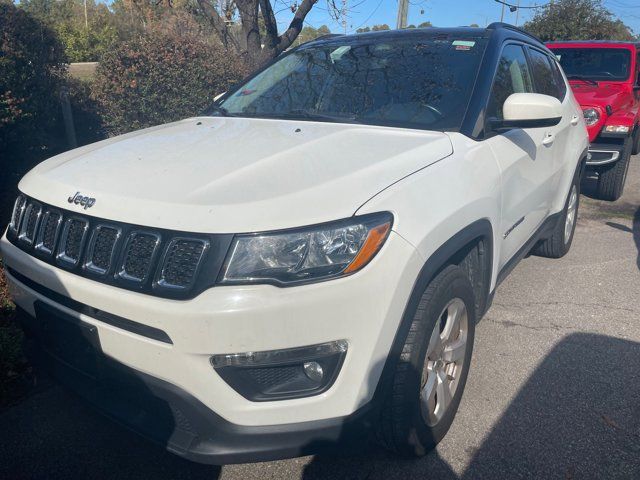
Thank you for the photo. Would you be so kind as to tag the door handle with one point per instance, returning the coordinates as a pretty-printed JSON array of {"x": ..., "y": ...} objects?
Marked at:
[
  {"x": 574, "y": 120},
  {"x": 548, "y": 140}
]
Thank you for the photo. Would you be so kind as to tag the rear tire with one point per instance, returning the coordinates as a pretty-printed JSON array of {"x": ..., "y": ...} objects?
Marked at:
[
  {"x": 636, "y": 144},
  {"x": 432, "y": 370},
  {"x": 559, "y": 243},
  {"x": 611, "y": 179}
]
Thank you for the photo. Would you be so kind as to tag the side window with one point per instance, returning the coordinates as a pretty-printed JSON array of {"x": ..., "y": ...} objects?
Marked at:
[
  {"x": 544, "y": 76},
  {"x": 512, "y": 76},
  {"x": 562, "y": 86}
]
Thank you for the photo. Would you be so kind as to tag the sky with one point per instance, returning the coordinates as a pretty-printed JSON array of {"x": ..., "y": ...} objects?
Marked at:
[{"x": 441, "y": 13}]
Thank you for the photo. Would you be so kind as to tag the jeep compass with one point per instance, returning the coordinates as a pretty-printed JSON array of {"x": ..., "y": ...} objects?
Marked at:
[{"x": 303, "y": 266}]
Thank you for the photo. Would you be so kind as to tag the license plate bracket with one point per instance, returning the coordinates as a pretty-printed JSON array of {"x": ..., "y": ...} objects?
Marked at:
[{"x": 69, "y": 340}]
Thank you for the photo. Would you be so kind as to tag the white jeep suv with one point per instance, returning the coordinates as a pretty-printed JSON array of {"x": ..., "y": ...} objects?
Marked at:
[{"x": 304, "y": 265}]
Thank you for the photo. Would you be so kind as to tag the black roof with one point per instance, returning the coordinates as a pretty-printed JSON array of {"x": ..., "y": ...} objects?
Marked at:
[{"x": 500, "y": 29}]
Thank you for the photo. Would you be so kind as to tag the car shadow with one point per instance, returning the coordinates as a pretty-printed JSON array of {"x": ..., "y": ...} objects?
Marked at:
[
  {"x": 636, "y": 234},
  {"x": 577, "y": 416},
  {"x": 634, "y": 230}
]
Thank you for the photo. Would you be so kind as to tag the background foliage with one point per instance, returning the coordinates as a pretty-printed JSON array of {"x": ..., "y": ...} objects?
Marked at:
[
  {"x": 577, "y": 20},
  {"x": 155, "y": 79},
  {"x": 32, "y": 68}
]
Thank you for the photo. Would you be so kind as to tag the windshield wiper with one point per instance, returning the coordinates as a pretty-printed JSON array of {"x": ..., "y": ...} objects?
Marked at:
[
  {"x": 311, "y": 115},
  {"x": 583, "y": 79},
  {"x": 221, "y": 110}
]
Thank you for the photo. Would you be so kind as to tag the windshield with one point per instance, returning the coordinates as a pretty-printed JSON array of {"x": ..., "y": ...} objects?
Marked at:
[
  {"x": 424, "y": 83},
  {"x": 611, "y": 64}
]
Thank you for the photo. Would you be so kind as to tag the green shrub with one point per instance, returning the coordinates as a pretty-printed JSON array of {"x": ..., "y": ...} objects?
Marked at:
[
  {"x": 32, "y": 65},
  {"x": 86, "y": 44},
  {"x": 160, "y": 78}
]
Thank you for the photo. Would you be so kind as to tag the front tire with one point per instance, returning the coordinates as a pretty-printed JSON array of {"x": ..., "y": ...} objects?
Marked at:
[
  {"x": 432, "y": 370},
  {"x": 611, "y": 179}
]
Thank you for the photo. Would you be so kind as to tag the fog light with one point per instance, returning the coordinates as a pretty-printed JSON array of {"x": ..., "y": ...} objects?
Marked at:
[
  {"x": 280, "y": 374},
  {"x": 313, "y": 370}
]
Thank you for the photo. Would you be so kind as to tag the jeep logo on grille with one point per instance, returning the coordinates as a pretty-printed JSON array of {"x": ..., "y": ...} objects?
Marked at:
[{"x": 78, "y": 199}]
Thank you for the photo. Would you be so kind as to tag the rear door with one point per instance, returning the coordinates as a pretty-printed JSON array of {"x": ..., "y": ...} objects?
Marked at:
[{"x": 525, "y": 161}]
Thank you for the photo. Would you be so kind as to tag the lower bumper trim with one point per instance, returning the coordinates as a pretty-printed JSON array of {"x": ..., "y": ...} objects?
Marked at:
[
  {"x": 168, "y": 415},
  {"x": 602, "y": 153}
]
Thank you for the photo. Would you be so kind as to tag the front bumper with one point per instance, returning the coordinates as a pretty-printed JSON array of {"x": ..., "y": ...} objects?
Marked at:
[
  {"x": 365, "y": 309},
  {"x": 604, "y": 153},
  {"x": 173, "y": 418}
]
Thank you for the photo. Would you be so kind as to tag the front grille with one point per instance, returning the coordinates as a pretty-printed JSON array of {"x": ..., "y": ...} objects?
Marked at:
[
  {"x": 48, "y": 232},
  {"x": 101, "y": 249},
  {"x": 30, "y": 222},
  {"x": 181, "y": 262},
  {"x": 18, "y": 211},
  {"x": 72, "y": 241},
  {"x": 120, "y": 254},
  {"x": 139, "y": 253}
]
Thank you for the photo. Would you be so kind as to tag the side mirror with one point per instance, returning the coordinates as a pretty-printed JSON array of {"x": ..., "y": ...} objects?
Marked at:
[
  {"x": 529, "y": 110},
  {"x": 215, "y": 99}
]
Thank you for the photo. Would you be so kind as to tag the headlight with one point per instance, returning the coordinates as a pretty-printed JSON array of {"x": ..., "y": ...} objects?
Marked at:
[
  {"x": 307, "y": 254},
  {"x": 616, "y": 129},
  {"x": 591, "y": 116}
]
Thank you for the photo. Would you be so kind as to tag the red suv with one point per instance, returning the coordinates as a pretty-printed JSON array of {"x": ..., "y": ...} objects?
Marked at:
[{"x": 605, "y": 78}]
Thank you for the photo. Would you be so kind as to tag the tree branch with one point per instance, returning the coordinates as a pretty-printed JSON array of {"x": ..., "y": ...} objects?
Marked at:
[
  {"x": 218, "y": 24},
  {"x": 295, "y": 27},
  {"x": 269, "y": 22}
]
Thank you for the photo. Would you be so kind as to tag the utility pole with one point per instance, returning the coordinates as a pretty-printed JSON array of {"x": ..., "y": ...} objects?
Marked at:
[
  {"x": 343, "y": 14},
  {"x": 517, "y": 12},
  {"x": 86, "y": 18},
  {"x": 502, "y": 14},
  {"x": 403, "y": 13}
]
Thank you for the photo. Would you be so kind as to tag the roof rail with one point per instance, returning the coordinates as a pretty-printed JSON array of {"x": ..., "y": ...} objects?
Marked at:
[
  {"x": 328, "y": 35},
  {"x": 498, "y": 25}
]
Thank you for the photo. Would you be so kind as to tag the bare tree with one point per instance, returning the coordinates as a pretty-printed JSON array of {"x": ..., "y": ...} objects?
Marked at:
[{"x": 256, "y": 38}]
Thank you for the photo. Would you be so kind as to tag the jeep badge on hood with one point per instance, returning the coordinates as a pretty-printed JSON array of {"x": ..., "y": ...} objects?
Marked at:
[{"x": 78, "y": 199}]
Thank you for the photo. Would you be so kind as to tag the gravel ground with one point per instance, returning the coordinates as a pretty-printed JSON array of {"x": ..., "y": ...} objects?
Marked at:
[{"x": 554, "y": 388}]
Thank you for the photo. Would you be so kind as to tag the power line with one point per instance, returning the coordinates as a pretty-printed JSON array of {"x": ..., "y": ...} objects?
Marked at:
[
  {"x": 515, "y": 8},
  {"x": 370, "y": 15}
]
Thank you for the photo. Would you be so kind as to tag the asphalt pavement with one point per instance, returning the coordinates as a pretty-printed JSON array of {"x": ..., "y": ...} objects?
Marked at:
[{"x": 553, "y": 392}]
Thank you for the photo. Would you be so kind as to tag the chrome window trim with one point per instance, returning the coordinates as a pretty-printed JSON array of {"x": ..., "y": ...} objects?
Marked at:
[
  {"x": 23, "y": 235},
  {"x": 88, "y": 264},
  {"x": 159, "y": 280},
  {"x": 122, "y": 273},
  {"x": 40, "y": 237},
  {"x": 62, "y": 258}
]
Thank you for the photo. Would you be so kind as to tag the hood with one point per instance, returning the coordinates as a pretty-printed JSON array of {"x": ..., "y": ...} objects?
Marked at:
[
  {"x": 604, "y": 94},
  {"x": 234, "y": 175},
  {"x": 618, "y": 95}
]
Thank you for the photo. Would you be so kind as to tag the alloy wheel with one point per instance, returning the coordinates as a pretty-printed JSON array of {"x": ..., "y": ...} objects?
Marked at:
[
  {"x": 445, "y": 358},
  {"x": 572, "y": 210}
]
